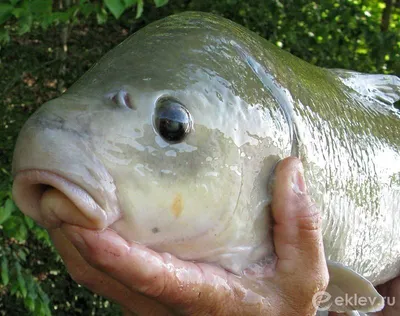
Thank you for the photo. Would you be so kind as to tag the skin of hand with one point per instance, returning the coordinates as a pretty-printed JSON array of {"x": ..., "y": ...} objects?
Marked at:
[{"x": 149, "y": 283}]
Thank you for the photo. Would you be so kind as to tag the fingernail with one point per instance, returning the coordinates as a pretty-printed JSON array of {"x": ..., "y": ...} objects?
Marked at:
[{"x": 298, "y": 183}]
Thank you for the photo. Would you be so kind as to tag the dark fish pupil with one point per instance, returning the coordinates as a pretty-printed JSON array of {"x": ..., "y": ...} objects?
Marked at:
[
  {"x": 170, "y": 126},
  {"x": 172, "y": 120}
]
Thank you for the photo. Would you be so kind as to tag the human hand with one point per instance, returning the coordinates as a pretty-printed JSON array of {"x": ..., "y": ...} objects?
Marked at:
[{"x": 150, "y": 283}]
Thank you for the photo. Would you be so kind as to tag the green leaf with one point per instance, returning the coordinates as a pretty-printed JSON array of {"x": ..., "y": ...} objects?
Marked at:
[
  {"x": 6, "y": 211},
  {"x": 40, "y": 7},
  {"x": 30, "y": 303},
  {"x": 25, "y": 24},
  {"x": 60, "y": 17},
  {"x": 87, "y": 9},
  {"x": 19, "y": 12},
  {"x": 116, "y": 7},
  {"x": 5, "y": 12},
  {"x": 42, "y": 235},
  {"x": 42, "y": 310},
  {"x": 160, "y": 3},
  {"x": 14, "y": 288},
  {"x": 22, "y": 233},
  {"x": 381, "y": 5},
  {"x": 15, "y": 228},
  {"x": 21, "y": 254},
  {"x": 4, "y": 271},
  {"x": 32, "y": 288},
  {"x": 362, "y": 51},
  {"x": 129, "y": 3},
  {"x": 46, "y": 21},
  {"x": 11, "y": 225},
  {"x": 73, "y": 11},
  {"x": 10, "y": 206},
  {"x": 45, "y": 299},
  {"x": 21, "y": 281},
  {"x": 29, "y": 222},
  {"x": 139, "y": 9},
  {"x": 101, "y": 16}
]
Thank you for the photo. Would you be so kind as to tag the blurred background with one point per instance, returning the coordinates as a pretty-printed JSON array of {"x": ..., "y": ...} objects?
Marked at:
[{"x": 46, "y": 45}]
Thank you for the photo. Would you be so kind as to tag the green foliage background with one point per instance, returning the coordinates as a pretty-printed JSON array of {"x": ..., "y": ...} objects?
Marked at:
[{"x": 46, "y": 45}]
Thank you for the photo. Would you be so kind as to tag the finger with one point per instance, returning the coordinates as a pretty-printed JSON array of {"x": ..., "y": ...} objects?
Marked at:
[
  {"x": 297, "y": 233},
  {"x": 100, "y": 283},
  {"x": 187, "y": 287}
]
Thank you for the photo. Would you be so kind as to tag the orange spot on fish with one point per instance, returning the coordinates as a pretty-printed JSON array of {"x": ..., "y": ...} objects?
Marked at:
[{"x": 177, "y": 205}]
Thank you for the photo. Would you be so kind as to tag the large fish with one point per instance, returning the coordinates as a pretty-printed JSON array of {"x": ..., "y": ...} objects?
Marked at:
[{"x": 170, "y": 138}]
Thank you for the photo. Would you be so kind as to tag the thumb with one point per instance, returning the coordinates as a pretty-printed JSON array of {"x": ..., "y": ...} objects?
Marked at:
[{"x": 297, "y": 233}]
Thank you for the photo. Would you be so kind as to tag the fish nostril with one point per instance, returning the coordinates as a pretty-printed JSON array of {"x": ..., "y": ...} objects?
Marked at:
[
  {"x": 128, "y": 102},
  {"x": 121, "y": 98}
]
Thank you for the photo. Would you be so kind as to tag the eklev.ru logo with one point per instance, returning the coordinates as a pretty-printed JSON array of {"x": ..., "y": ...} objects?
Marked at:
[{"x": 322, "y": 301}]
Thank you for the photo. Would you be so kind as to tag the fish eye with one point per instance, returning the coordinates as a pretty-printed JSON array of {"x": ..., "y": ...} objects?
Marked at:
[{"x": 172, "y": 120}]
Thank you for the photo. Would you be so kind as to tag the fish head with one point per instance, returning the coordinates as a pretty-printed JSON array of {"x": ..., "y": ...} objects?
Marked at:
[{"x": 169, "y": 140}]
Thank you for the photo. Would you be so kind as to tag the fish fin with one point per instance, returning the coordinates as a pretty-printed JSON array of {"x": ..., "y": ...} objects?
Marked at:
[
  {"x": 349, "y": 291},
  {"x": 384, "y": 89}
]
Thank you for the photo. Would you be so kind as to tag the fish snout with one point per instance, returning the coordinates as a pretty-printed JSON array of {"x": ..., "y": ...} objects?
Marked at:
[{"x": 57, "y": 176}]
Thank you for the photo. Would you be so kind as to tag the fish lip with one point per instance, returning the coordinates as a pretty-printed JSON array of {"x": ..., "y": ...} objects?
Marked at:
[{"x": 30, "y": 184}]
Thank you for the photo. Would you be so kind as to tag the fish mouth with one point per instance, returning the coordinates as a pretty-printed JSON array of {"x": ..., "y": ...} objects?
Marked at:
[{"x": 51, "y": 199}]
